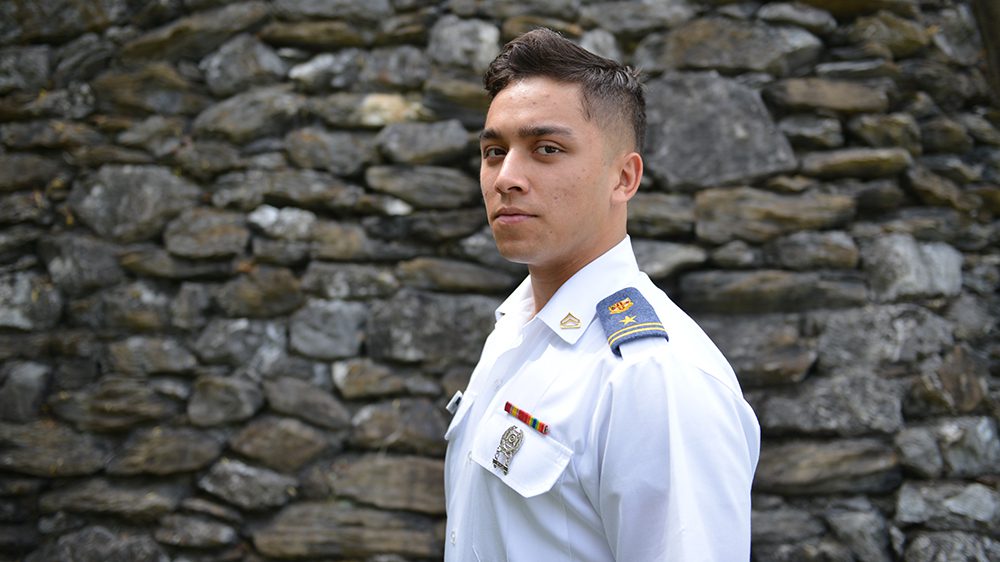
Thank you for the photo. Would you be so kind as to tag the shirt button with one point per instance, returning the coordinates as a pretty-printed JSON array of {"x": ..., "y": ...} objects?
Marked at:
[{"x": 454, "y": 537}]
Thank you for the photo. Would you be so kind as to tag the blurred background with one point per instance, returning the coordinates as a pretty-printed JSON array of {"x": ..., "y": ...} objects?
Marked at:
[{"x": 243, "y": 264}]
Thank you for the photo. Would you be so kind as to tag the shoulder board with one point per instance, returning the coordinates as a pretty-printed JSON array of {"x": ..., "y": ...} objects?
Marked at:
[{"x": 626, "y": 315}]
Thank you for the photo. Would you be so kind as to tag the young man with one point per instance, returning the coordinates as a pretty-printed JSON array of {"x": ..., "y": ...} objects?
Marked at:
[{"x": 601, "y": 423}]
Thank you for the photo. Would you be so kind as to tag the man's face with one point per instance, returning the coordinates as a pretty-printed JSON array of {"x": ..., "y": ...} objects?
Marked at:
[{"x": 548, "y": 176}]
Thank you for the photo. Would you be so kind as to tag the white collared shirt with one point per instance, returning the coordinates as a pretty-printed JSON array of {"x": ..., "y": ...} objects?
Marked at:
[{"x": 648, "y": 457}]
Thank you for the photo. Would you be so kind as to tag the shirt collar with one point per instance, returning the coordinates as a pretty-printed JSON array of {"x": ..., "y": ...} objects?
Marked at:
[{"x": 574, "y": 304}]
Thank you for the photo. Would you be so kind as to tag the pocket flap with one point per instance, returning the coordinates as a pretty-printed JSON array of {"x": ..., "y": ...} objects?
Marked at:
[
  {"x": 536, "y": 465},
  {"x": 463, "y": 410}
]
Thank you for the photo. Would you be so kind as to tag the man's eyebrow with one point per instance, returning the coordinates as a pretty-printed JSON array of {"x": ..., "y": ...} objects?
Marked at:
[{"x": 529, "y": 131}]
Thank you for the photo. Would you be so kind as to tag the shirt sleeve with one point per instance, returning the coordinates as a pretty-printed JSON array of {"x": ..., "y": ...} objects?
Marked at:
[{"x": 677, "y": 448}]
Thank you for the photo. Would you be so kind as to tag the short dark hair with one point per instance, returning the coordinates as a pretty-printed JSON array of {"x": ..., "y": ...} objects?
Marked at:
[{"x": 610, "y": 89}]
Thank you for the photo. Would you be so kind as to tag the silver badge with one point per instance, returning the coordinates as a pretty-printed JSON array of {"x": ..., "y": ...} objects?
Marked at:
[{"x": 510, "y": 442}]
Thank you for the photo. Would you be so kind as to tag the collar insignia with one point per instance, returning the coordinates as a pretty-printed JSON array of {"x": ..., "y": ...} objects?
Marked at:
[{"x": 569, "y": 322}]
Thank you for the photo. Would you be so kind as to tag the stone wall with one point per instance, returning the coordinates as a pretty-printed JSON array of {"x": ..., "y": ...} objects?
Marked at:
[{"x": 243, "y": 264}]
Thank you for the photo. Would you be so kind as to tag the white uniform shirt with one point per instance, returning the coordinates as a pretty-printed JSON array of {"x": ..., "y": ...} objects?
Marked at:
[{"x": 649, "y": 456}]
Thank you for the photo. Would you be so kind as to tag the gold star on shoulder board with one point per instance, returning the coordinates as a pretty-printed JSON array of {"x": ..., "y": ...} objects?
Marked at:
[{"x": 627, "y": 320}]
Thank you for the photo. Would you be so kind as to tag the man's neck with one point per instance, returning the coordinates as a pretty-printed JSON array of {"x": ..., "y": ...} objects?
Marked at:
[{"x": 545, "y": 281}]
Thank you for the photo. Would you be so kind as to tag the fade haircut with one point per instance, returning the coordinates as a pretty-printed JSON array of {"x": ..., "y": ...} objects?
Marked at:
[{"x": 611, "y": 91}]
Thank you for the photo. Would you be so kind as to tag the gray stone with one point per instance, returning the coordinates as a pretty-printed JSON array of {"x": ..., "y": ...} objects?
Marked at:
[
  {"x": 856, "y": 162},
  {"x": 979, "y": 128},
  {"x": 840, "y": 405},
  {"x": 764, "y": 291},
  {"x": 635, "y": 20},
  {"x": 284, "y": 444},
  {"x": 98, "y": 544},
  {"x": 754, "y": 215},
  {"x": 733, "y": 47},
  {"x": 813, "y": 250},
  {"x": 884, "y": 131},
  {"x": 49, "y": 450},
  {"x": 22, "y": 390},
  {"x": 815, "y": 20},
  {"x": 248, "y": 487},
  {"x": 333, "y": 9},
  {"x": 140, "y": 355},
  {"x": 157, "y": 134},
  {"x": 405, "y": 424},
  {"x": 956, "y": 386},
  {"x": 363, "y": 378},
  {"x": 434, "y": 227},
  {"x": 858, "y": 69},
  {"x": 453, "y": 276},
  {"x": 919, "y": 453},
  {"x": 391, "y": 482},
  {"x": 328, "y": 329},
  {"x": 257, "y": 113},
  {"x": 852, "y": 8},
  {"x": 348, "y": 281},
  {"x": 113, "y": 403},
  {"x": 318, "y": 35},
  {"x": 948, "y": 506},
  {"x": 930, "y": 547},
  {"x": 661, "y": 260},
  {"x": 809, "y": 94},
  {"x": 899, "y": 36},
  {"x": 416, "y": 326},
  {"x": 659, "y": 215},
  {"x": 602, "y": 42},
  {"x": 241, "y": 63},
  {"x": 261, "y": 293},
  {"x": 57, "y": 20},
  {"x": 206, "y": 159},
  {"x": 137, "y": 307},
  {"x": 456, "y": 94},
  {"x": 24, "y": 207},
  {"x": 48, "y": 133},
  {"x": 842, "y": 466},
  {"x": 239, "y": 341},
  {"x": 78, "y": 264},
  {"x": 424, "y": 143},
  {"x": 768, "y": 350},
  {"x": 425, "y": 187},
  {"x": 306, "y": 401},
  {"x": 200, "y": 233},
  {"x": 27, "y": 171},
  {"x": 783, "y": 525},
  {"x": 165, "y": 450},
  {"x": 338, "y": 70},
  {"x": 221, "y": 400},
  {"x": 876, "y": 337},
  {"x": 102, "y": 496},
  {"x": 900, "y": 268},
  {"x": 152, "y": 261},
  {"x": 212, "y": 509},
  {"x": 194, "y": 532},
  {"x": 505, "y": 10},
  {"x": 24, "y": 68},
  {"x": 309, "y": 189},
  {"x": 198, "y": 34},
  {"x": 156, "y": 88},
  {"x": 933, "y": 189},
  {"x": 864, "y": 532},
  {"x": 335, "y": 529},
  {"x": 397, "y": 68},
  {"x": 81, "y": 59},
  {"x": 367, "y": 110},
  {"x": 707, "y": 130},
  {"x": 468, "y": 44},
  {"x": 340, "y": 153},
  {"x": 287, "y": 223},
  {"x": 942, "y": 134},
  {"x": 811, "y": 131},
  {"x": 131, "y": 203}
]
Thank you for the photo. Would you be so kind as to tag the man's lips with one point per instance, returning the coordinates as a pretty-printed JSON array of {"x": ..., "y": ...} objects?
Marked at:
[{"x": 511, "y": 216}]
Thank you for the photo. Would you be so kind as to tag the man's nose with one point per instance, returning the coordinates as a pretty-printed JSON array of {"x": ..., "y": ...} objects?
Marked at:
[{"x": 511, "y": 174}]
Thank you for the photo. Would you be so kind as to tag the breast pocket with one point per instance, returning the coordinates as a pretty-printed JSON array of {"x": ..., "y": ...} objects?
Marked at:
[
  {"x": 529, "y": 462},
  {"x": 463, "y": 412}
]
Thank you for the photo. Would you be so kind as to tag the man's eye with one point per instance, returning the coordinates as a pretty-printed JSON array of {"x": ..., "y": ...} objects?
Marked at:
[
  {"x": 492, "y": 152},
  {"x": 548, "y": 149}
]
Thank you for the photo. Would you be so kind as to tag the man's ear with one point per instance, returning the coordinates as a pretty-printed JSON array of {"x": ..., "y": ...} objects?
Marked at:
[{"x": 629, "y": 177}]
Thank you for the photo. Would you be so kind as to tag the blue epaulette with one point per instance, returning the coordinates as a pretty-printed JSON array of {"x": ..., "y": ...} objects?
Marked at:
[{"x": 626, "y": 315}]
